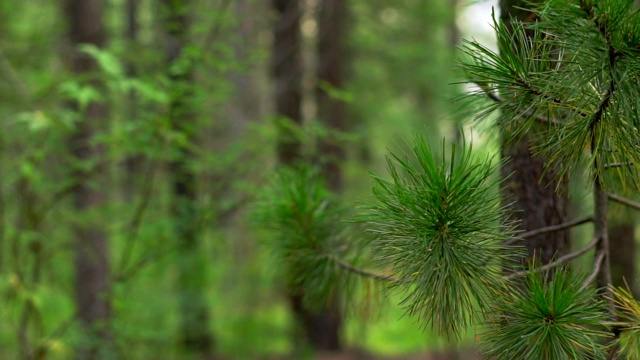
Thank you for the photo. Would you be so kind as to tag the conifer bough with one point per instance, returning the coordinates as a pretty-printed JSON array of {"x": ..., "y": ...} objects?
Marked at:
[{"x": 438, "y": 224}]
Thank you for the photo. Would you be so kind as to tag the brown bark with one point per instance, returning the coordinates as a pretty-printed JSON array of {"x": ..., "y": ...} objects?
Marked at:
[
  {"x": 248, "y": 100},
  {"x": 91, "y": 249},
  {"x": 331, "y": 74},
  {"x": 332, "y": 54},
  {"x": 132, "y": 164},
  {"x": 623, "y": 254},
  {"x": 195, "y": 333},
  {"x": 287, "y": 76},
  {"x": 530, "y": 189},
  {"x": 321, "y": 328}
]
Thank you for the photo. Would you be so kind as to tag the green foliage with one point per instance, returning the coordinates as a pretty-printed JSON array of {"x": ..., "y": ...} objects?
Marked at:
[
  {"x": 308, "y": 232},
  {"x": 438, "y": 223},
  {"x": 578, "y": 67},
  {"x": 546, "y": 318},
  {"x": 628, "y": 314}
]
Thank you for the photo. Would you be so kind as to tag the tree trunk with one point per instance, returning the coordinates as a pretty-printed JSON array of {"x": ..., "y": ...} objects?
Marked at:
[
  {"x": 332, "y": 36},
  {"x": 531, "y": 191},
  {"x": 195, "y": 334},
  {"x": 331, "y": 71},
  {"x": 287, "y": 77},
  {"x": 321, "y": 329},
  {"x": 623, "y": 254},
  {"x": 132, "y": 163},
  {"x": 93, "y": 288}
]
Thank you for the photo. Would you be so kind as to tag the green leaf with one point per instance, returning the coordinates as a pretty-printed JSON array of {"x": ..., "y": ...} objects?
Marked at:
[
  {"x": 83, "y": 94},
  {"x": 107, "y": 62},
  {"x": 36, "y": 120},
  {"x": 335, "y": 93}
]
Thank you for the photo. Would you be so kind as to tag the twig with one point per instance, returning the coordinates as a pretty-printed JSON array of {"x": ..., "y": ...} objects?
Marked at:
[
  {"x": 135, "y": 222},
  {"x": 560, "y": 261},
  {"x": 12, "y": 74},
  {"x": 624, "y": 201},
  {"x": 550, "y": 228},
  {"x": 617, "y": 164},
  {"x": 543, "y": 119},
  {"x": 596, "y": 270},
  {"x": 362, "y": 272}
]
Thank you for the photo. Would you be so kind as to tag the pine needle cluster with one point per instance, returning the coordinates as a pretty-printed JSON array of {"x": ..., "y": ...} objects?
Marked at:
[
  {"x": 628, "y": 314},
  {"x": 572, "y": 74},
  {"x": 545, "y": 318},
  {"x": 438, "y": 224},
  {"x": 308, "y": 233},
  {"x": 569, "y": 80}
]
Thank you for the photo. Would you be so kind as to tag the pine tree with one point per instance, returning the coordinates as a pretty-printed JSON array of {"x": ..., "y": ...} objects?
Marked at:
[{"x": 438, "y": 228}]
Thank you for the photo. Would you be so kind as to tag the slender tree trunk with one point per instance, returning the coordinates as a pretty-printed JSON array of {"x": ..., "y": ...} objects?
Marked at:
[
  {"x": 195, "y": 332},
  {"x": 531, "y": 190},
  {"x": 247, "y": 103},
  {"x": 623, "y": 254},
  {"x": 332, "y": 58},
  {"x": 91, "y": 250},
  {"x": 331, "y": 71},
  {"x": 132, "y": 164},
  {"x": 29, "y": 224},
  {"x": 320, "y": 328},
  {"x": 287, "y": 76},
  {"x": 245, "y": 107}
]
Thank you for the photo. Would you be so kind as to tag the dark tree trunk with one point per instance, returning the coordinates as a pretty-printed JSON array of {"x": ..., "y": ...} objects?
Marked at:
[
  {"x": 321, "y": 329},
  {"x": 623, "y": 253},
  {"x": 248, "y": 100},
  {"x": 132, "y": 164},
  {"x": 331, "y": 73},
  {"x": 532, "y": 191},
  {"x": 92, "y": 293},
  {"x": 332, "y": 55},
  {"x": 287, "y": 76},
  {"x": 195, "y": 333}
]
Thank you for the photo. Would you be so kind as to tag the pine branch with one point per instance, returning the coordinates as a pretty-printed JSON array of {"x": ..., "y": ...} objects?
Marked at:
[
  {"x": 361, "y": 272},
  {"x": 617, "y": 164},
  {"x": 497, "y": 98},
  {"x": 561, "y": 260},
  {"x": 596, "y": 270},
  {"x": 624, "y": 201},
  {"x": 550, "y": 228}
]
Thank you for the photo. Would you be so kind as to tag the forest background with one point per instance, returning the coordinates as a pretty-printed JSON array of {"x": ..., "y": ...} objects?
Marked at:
[{"x": 137, "y": 133}]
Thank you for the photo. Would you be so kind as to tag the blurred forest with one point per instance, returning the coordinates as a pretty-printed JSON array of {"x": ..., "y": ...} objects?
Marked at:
[{"x": 136, "y": 135}]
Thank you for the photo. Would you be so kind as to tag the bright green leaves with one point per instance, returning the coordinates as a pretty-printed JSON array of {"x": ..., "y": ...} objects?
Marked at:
[
  {"x": 308, "y": 232},
  {"x": 547, "y": 319},
  {"x": 438, "y": 225},
  {"x": 106, "y": 60}
]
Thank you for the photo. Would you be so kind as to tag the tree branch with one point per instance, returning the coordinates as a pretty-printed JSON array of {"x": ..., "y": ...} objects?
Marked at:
[
  {"x": 596, "y": 270},
  {"x": 561, "y": 260},
  {"x": 624, "y": 201},
  {"x": 617, "y": 164},
  {"x": 543, "y": 119},
  {"x": 362, "y": 272},
  {"x": 12, "y": 74},
  {"x": 550, "y": 228}
]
